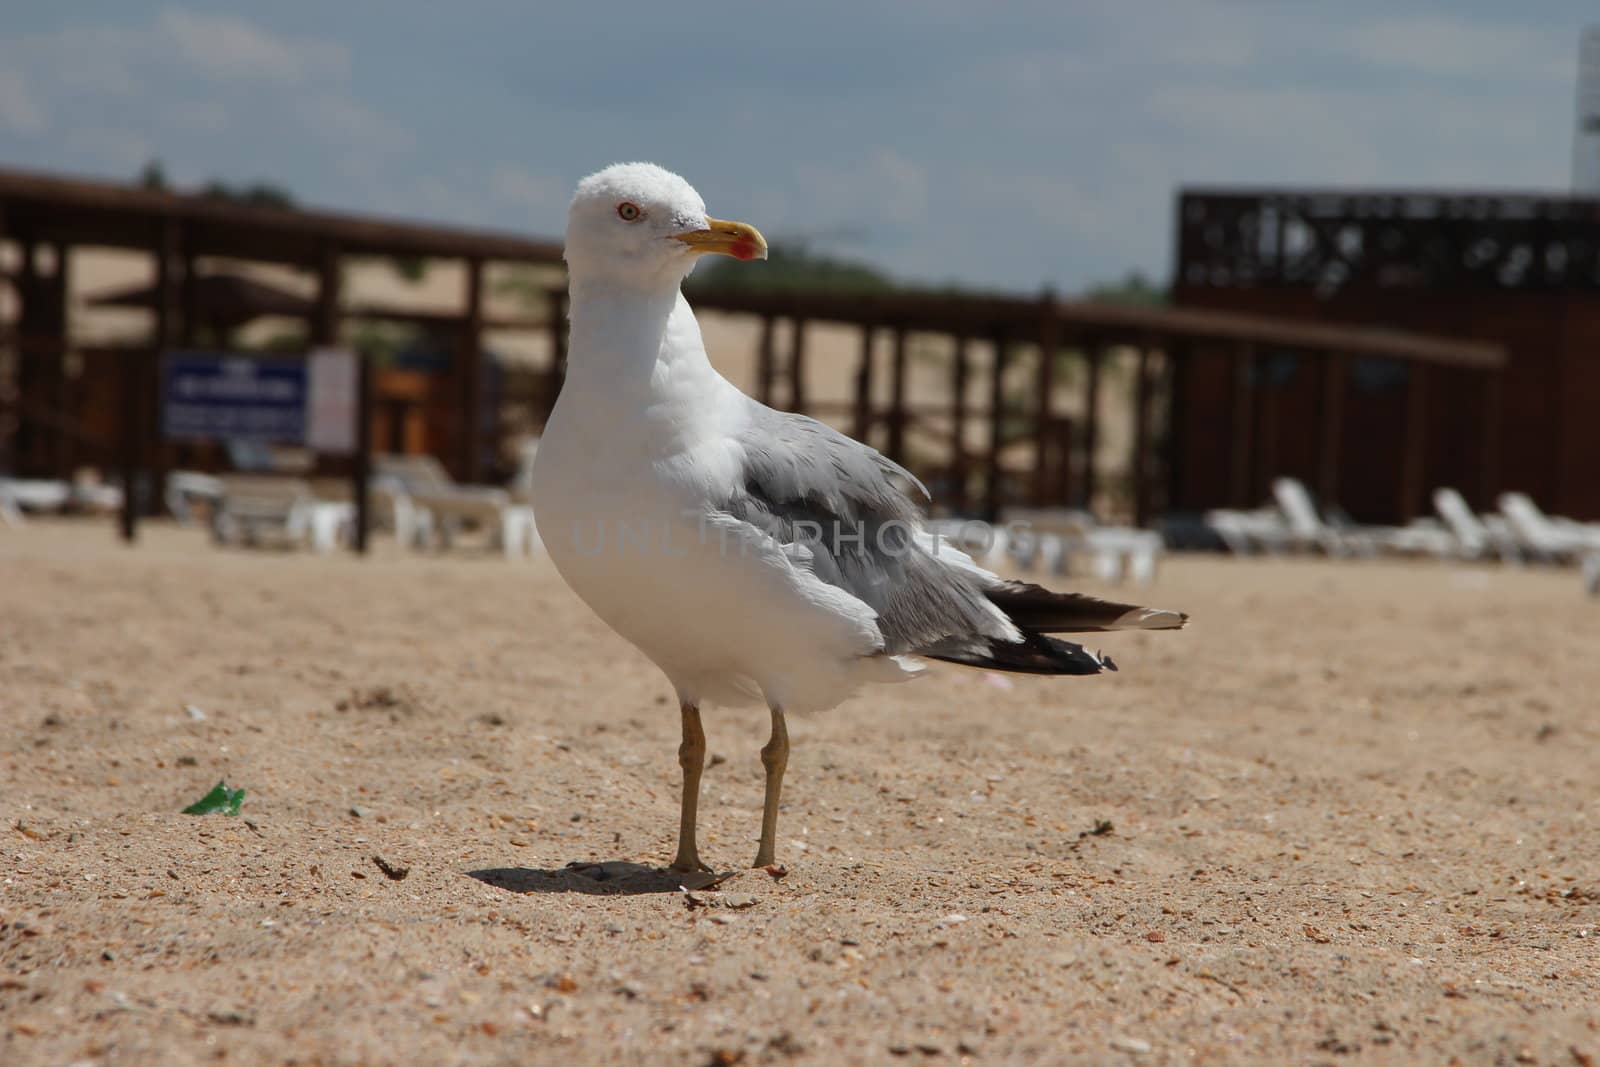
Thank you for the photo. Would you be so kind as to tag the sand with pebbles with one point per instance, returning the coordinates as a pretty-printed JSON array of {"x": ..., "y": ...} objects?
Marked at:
[{"x": 1350, "y": 815}]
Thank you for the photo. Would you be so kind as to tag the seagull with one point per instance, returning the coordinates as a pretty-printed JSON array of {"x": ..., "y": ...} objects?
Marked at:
[{"x": 754, "y": 555}]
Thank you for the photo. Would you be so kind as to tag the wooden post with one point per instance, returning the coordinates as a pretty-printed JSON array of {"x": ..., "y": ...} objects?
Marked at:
[
  {"x": 1414, "y": 457},
  {"x": 1489, "y": 460},
  {"x": 766, "y": 369},
  {"x": 1092, "y": 357},
  {"x": 64, "y": 447},
  {"x": 1330, "y": 414},
  {"x": 1141, "y": 437},
  {"x": 361, "y": 469},
  {"x": 1179, "y": 355},
  {"x": 324, "y": 322},
  {"x": 7, "y": 442},
  {"x": 992, "y": 493},
  {"x": 1266, "y": 425},
  {"x": 959, "y": 368},
  {"x": 1049, "y": 341},
  {"x": 472, "y": 372},
  {"x": 28, "y": 440},
  {"x": 170, "y": 242},
  {"x": 1241, "y": 424},
  {"x": 167, "y": 251},
  {"x": 897, "y": 398},
  {"x": 189, "y": 301},
  {"x": 862, "y": 419},
  {"x": 131, "y": 385},
  {"x": 797, "y": 365}
]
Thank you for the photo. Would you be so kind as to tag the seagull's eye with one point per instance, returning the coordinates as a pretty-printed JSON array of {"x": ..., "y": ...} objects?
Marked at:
[{"x": 628, "y": 211}]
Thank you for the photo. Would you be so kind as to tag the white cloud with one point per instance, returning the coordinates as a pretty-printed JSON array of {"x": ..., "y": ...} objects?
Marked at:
[
  {"x": 227, "y": 47},
  {"x": 115, "y": 149},
  {"x": 536, "y": 195},
  {"x": 1440, "y": 45},
  {"x": 1418, "y": 136},
  {"x": 213, "y": 95},
  {"x": 18, "y": 110},
  {"x": 885, "y": 186},
  {"x": 352, "y": 126},
  {"x": 1308, "y": 135}
]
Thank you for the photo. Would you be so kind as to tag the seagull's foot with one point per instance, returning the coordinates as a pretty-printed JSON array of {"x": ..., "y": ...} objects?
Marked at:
[
  {"x": 763, "y": 859},
  {"x": 689, "y": 865}
]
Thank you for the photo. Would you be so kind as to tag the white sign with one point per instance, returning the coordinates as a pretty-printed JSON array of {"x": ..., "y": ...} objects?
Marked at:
[{"x": 331, "y": 404}]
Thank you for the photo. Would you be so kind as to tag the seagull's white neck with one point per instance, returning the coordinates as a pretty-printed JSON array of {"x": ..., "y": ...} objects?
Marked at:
[{"x": 635, "y": 348}]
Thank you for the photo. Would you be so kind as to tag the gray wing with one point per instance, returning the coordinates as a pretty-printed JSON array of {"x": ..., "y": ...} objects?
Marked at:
[{"x": 850, "y": 508}]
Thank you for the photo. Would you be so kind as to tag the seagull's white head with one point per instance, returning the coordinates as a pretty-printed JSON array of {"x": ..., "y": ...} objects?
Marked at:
[{"x": 640, "y": 224}]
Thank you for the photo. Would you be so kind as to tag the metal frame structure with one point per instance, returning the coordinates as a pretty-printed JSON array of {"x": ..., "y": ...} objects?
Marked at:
[
  {"x": 1518, "y": 271},
  {"x": 1348, "y": 240}
]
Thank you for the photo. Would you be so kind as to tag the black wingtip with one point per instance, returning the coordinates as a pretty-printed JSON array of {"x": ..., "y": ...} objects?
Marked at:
[{"x": 1034, "y": 654}]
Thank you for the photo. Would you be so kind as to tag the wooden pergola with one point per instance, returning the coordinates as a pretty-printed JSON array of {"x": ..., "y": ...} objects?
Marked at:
[
  {"x": 47, "y": 216},
  {"x": 1036, "y": 331},
  {"x": 42, "y": 212}
]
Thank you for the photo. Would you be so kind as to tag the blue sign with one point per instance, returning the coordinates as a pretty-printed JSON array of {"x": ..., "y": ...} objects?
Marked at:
[{"x": 217, "y": 395}]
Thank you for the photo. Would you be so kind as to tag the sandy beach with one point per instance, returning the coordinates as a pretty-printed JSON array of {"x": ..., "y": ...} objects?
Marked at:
[{"x": 1350, "y": 815}]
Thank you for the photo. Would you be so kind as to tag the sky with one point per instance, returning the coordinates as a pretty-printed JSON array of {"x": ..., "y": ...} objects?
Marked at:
[{"x": 1006, "y": 145}]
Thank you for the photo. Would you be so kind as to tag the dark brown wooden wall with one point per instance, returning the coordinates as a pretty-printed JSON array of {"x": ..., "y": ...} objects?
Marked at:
[{"x": 1539, "y": 434}]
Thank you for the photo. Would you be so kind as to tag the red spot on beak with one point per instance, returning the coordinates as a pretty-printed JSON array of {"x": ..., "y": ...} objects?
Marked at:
[{"x": 742, "y": 250}]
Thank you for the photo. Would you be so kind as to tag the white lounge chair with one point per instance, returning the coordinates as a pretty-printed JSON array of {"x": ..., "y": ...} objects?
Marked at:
[
  {"x": 1114, "y": 551},
  {"x": 1475, "y": 536},
  {"x": 1591, "y": 573},
  {"x": 1311, "y": 530},
  {"x": 1548, "y": 537},
  {"x": 86, "y": 492},
  {"x": 1247, "y": 532},
  {"x": 21, "y": 495},
  {"x": 185, "y": 489},
  {"x": 428, "y": 503},
  {"x": 253, "y": 507}
]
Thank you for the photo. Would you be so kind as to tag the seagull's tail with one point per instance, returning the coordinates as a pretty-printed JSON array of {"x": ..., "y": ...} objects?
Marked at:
[
  {"x": 1036, "y": 612},
  {"x": 1036, "y": 609}
]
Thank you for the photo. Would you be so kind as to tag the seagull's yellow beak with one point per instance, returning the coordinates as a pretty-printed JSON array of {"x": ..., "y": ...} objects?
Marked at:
[{"x": 737, "y": 239}]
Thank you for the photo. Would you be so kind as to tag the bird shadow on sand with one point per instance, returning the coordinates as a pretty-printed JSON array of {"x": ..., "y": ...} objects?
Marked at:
[{"x": 613, "y": 878}]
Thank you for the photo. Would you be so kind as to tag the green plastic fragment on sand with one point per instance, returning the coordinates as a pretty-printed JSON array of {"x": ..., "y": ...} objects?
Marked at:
[{"x": 221, "y": 798}]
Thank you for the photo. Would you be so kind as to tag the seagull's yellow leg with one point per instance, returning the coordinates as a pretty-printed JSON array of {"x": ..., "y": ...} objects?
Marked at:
[
  {"x": 774, "y": 757},
  {"x": 692, "y": 758}
]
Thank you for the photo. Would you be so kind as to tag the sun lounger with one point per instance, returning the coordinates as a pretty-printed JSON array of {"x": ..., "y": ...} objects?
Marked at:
[
  {"x": 1059, "y": 534},
  {"x": 427, "y": 503},
  {"x": 1548, "y": 537},
  {"x": 185, "y": 489},
  {"x": 1246, "y": 532},
  {"x": 21, "y": 495},
  {"x": 86, "y": 492},
  {"x": 254, "y": 508},
  {"x": 1310, "y": 529},
  {"x": 1476, "y": 536}
]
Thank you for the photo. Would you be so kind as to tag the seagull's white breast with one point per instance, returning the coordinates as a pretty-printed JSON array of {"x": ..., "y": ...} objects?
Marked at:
[{"x": 629, "y": 489}]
